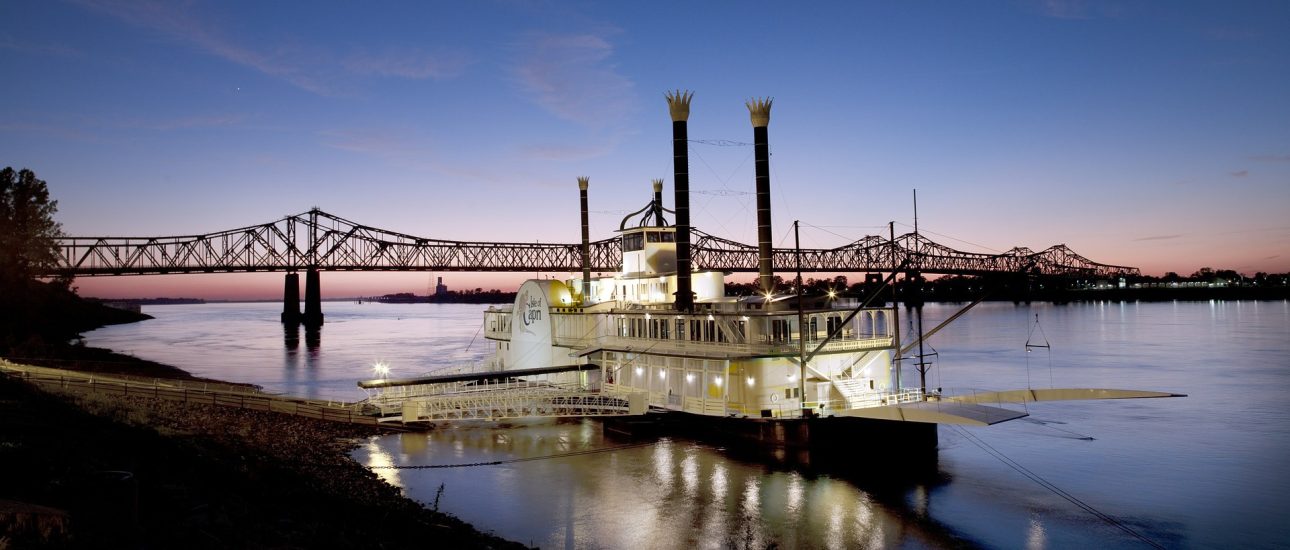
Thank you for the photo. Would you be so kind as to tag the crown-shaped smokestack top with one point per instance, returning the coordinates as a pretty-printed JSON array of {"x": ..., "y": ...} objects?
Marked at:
[
  {"x": 658, "y": 186},
  {"x": 678, "y": 103},
  {"x": 759, "y": 111},
  {"x": 582, "y": 183}
]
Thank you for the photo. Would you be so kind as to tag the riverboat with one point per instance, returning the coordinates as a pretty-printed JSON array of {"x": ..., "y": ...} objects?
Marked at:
[{"x": 785, "y": 370}]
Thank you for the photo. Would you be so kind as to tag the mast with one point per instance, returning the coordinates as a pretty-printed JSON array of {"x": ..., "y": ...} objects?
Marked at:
[
  {"x": 922, "y": 357},
  {"x": 801, "y": 322},
  {"x": 895, "y": 307}
]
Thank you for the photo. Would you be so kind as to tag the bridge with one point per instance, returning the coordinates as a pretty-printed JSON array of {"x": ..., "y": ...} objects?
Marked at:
[
  {"x": 317, "y": 241},
  {"x": 321, "y": 241}
]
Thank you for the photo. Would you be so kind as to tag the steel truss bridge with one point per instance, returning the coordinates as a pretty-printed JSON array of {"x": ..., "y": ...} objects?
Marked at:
[{"x": 318, "y": 240}]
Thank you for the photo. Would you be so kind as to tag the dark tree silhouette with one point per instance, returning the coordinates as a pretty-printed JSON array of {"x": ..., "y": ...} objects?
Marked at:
[{"x": 28, "y": 232}]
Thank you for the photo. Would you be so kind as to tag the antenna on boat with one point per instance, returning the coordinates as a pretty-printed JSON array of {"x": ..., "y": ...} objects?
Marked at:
[
  {"x": 895, "y": 306},
  {"x": 918, "y": 308},
  {"x": 801, "y": 320},
  {"x": 915, "y": 211}
]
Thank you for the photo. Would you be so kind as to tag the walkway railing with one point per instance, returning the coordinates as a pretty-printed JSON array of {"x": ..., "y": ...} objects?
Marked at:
[{"x": 186, "y": 391}]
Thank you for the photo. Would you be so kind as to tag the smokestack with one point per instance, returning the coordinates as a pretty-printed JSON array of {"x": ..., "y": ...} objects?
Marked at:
[
  {"x": 586, "y": 240},
  {"x": 759, "y": 112},
  {"x": 658, "y": 203},
  {"x": 678, "y": 104}
]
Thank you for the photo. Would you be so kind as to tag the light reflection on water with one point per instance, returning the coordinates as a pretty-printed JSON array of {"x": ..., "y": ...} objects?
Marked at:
[
  {"x": 625, "y": 497},
  {"x": 1204, "y": 471}
]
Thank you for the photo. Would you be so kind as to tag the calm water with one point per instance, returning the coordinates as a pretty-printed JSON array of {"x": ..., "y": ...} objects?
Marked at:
[{"x": 1205, "y": 471}]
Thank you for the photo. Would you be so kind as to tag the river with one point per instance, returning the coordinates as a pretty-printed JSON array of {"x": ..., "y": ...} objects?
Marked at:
[{"x": 1204, "y": 471}]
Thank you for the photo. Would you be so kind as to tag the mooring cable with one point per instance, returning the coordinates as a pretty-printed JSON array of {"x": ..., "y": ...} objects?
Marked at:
[{"x": 1053, "y": 488}]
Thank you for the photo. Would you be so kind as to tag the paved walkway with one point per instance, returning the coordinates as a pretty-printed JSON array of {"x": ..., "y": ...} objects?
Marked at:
[{"x": 187, "y": 391}]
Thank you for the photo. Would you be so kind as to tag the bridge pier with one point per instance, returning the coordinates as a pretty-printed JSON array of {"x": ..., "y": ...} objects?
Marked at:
[
  {"x": 313, "y": 299},
  {"x": 291, "y": 299}
]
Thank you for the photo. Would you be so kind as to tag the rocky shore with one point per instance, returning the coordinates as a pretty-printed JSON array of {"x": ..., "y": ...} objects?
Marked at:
[{"x": 127, "y": 472}]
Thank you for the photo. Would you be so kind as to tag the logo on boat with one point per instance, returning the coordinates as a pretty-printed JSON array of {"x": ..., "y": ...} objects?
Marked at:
[{"x": 531, "y": 309}]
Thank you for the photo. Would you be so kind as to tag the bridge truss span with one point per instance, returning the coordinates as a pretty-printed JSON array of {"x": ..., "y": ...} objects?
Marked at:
[{"x": 318, "y": 240}]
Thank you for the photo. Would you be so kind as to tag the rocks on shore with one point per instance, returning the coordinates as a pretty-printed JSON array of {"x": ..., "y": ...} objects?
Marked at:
[{"x": 137, "y": 472}]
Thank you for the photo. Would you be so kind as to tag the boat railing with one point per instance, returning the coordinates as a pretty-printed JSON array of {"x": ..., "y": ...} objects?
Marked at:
[{"x": 716, "y": 349}]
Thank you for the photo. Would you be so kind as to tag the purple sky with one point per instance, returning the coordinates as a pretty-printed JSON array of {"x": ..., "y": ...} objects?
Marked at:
[{"x": 1153, "y": 134}]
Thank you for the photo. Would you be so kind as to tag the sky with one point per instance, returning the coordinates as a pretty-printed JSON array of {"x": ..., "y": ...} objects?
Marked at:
[{"x": 1148, "y": 134}]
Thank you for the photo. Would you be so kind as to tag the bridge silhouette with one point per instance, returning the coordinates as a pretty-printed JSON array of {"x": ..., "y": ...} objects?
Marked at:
[{"x": 317, "y": 240}]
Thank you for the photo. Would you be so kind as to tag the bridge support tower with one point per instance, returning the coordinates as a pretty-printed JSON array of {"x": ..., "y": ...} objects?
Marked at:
[
  {"x": 291, "y": 299},
  {"x": 313, "y": 299}
]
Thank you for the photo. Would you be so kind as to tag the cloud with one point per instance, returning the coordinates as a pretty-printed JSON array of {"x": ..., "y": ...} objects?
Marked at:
[
  {"x": 1270, "y": 158},
  {"x": 408, "y": 63},
  {"x": 1239, "y": 173},
  {"x": 172, "y": 19},
  {"x": 1158, "y": 238},
  {"x": 573, "y": 77},
  {"x": 308, "y": 67},
  {"x": 56, "y": 50}
]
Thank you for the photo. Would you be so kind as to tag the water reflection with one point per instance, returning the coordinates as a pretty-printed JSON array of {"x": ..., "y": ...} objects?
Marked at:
[
  {"x": 291, "y": 337},
  {"x": 313, "y": 339},
  {"x": 564, "y": 484}
]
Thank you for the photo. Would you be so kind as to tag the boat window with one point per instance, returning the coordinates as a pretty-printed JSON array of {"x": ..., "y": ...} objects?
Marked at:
[
  {"x": 661, "y": 237},
  {"x": 633, "y": 242}
]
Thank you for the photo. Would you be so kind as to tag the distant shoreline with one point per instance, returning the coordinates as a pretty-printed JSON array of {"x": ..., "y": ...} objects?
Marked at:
[{"x": 1185, "y": 294}]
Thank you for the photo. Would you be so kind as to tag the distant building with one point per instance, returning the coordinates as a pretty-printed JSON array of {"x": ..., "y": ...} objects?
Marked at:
[{"x": 440, "y": 289}]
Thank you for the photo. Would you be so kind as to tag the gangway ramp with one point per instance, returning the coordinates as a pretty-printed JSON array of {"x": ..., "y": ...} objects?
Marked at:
[{"x": 496, "y": 395}]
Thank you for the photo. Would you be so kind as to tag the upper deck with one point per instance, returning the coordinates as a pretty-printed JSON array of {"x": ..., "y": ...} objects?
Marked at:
[{"x": 714, "y": 333}]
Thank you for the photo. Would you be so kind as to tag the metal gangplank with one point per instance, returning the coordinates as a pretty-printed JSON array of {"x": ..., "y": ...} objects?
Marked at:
[{"x": 498, "y": 395}]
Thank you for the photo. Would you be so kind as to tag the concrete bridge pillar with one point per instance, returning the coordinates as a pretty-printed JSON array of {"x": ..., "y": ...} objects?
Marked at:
[
  {"x": 313, "y": 299},
  {"x": 291, "y": 299}
]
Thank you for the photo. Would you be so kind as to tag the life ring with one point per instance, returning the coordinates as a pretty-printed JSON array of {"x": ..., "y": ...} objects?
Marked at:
[{"x": 774, "y": 397}]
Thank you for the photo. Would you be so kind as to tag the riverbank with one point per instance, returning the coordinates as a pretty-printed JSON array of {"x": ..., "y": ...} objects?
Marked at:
[
  {"x": 99, "y": 471},
  {"x": 111, "y": 471}
]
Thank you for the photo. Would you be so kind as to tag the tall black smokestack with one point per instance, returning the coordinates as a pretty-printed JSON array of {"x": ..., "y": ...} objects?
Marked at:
[
  {"x": 678, "y": 103},
  {"x": 586, "y": 240},
  {"x": 658, "y": 203},
  {"x": 759, "y": 112}
]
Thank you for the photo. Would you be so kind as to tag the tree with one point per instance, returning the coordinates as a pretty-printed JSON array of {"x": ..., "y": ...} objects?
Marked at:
[{"x": 28, "y": 232}]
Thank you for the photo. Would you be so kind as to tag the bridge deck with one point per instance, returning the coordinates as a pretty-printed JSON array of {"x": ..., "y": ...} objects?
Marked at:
[{"x": 318, "y": 240}]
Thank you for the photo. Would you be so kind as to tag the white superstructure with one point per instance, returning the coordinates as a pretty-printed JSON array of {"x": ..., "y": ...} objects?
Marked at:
[{"x": 730, "y": 356}]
